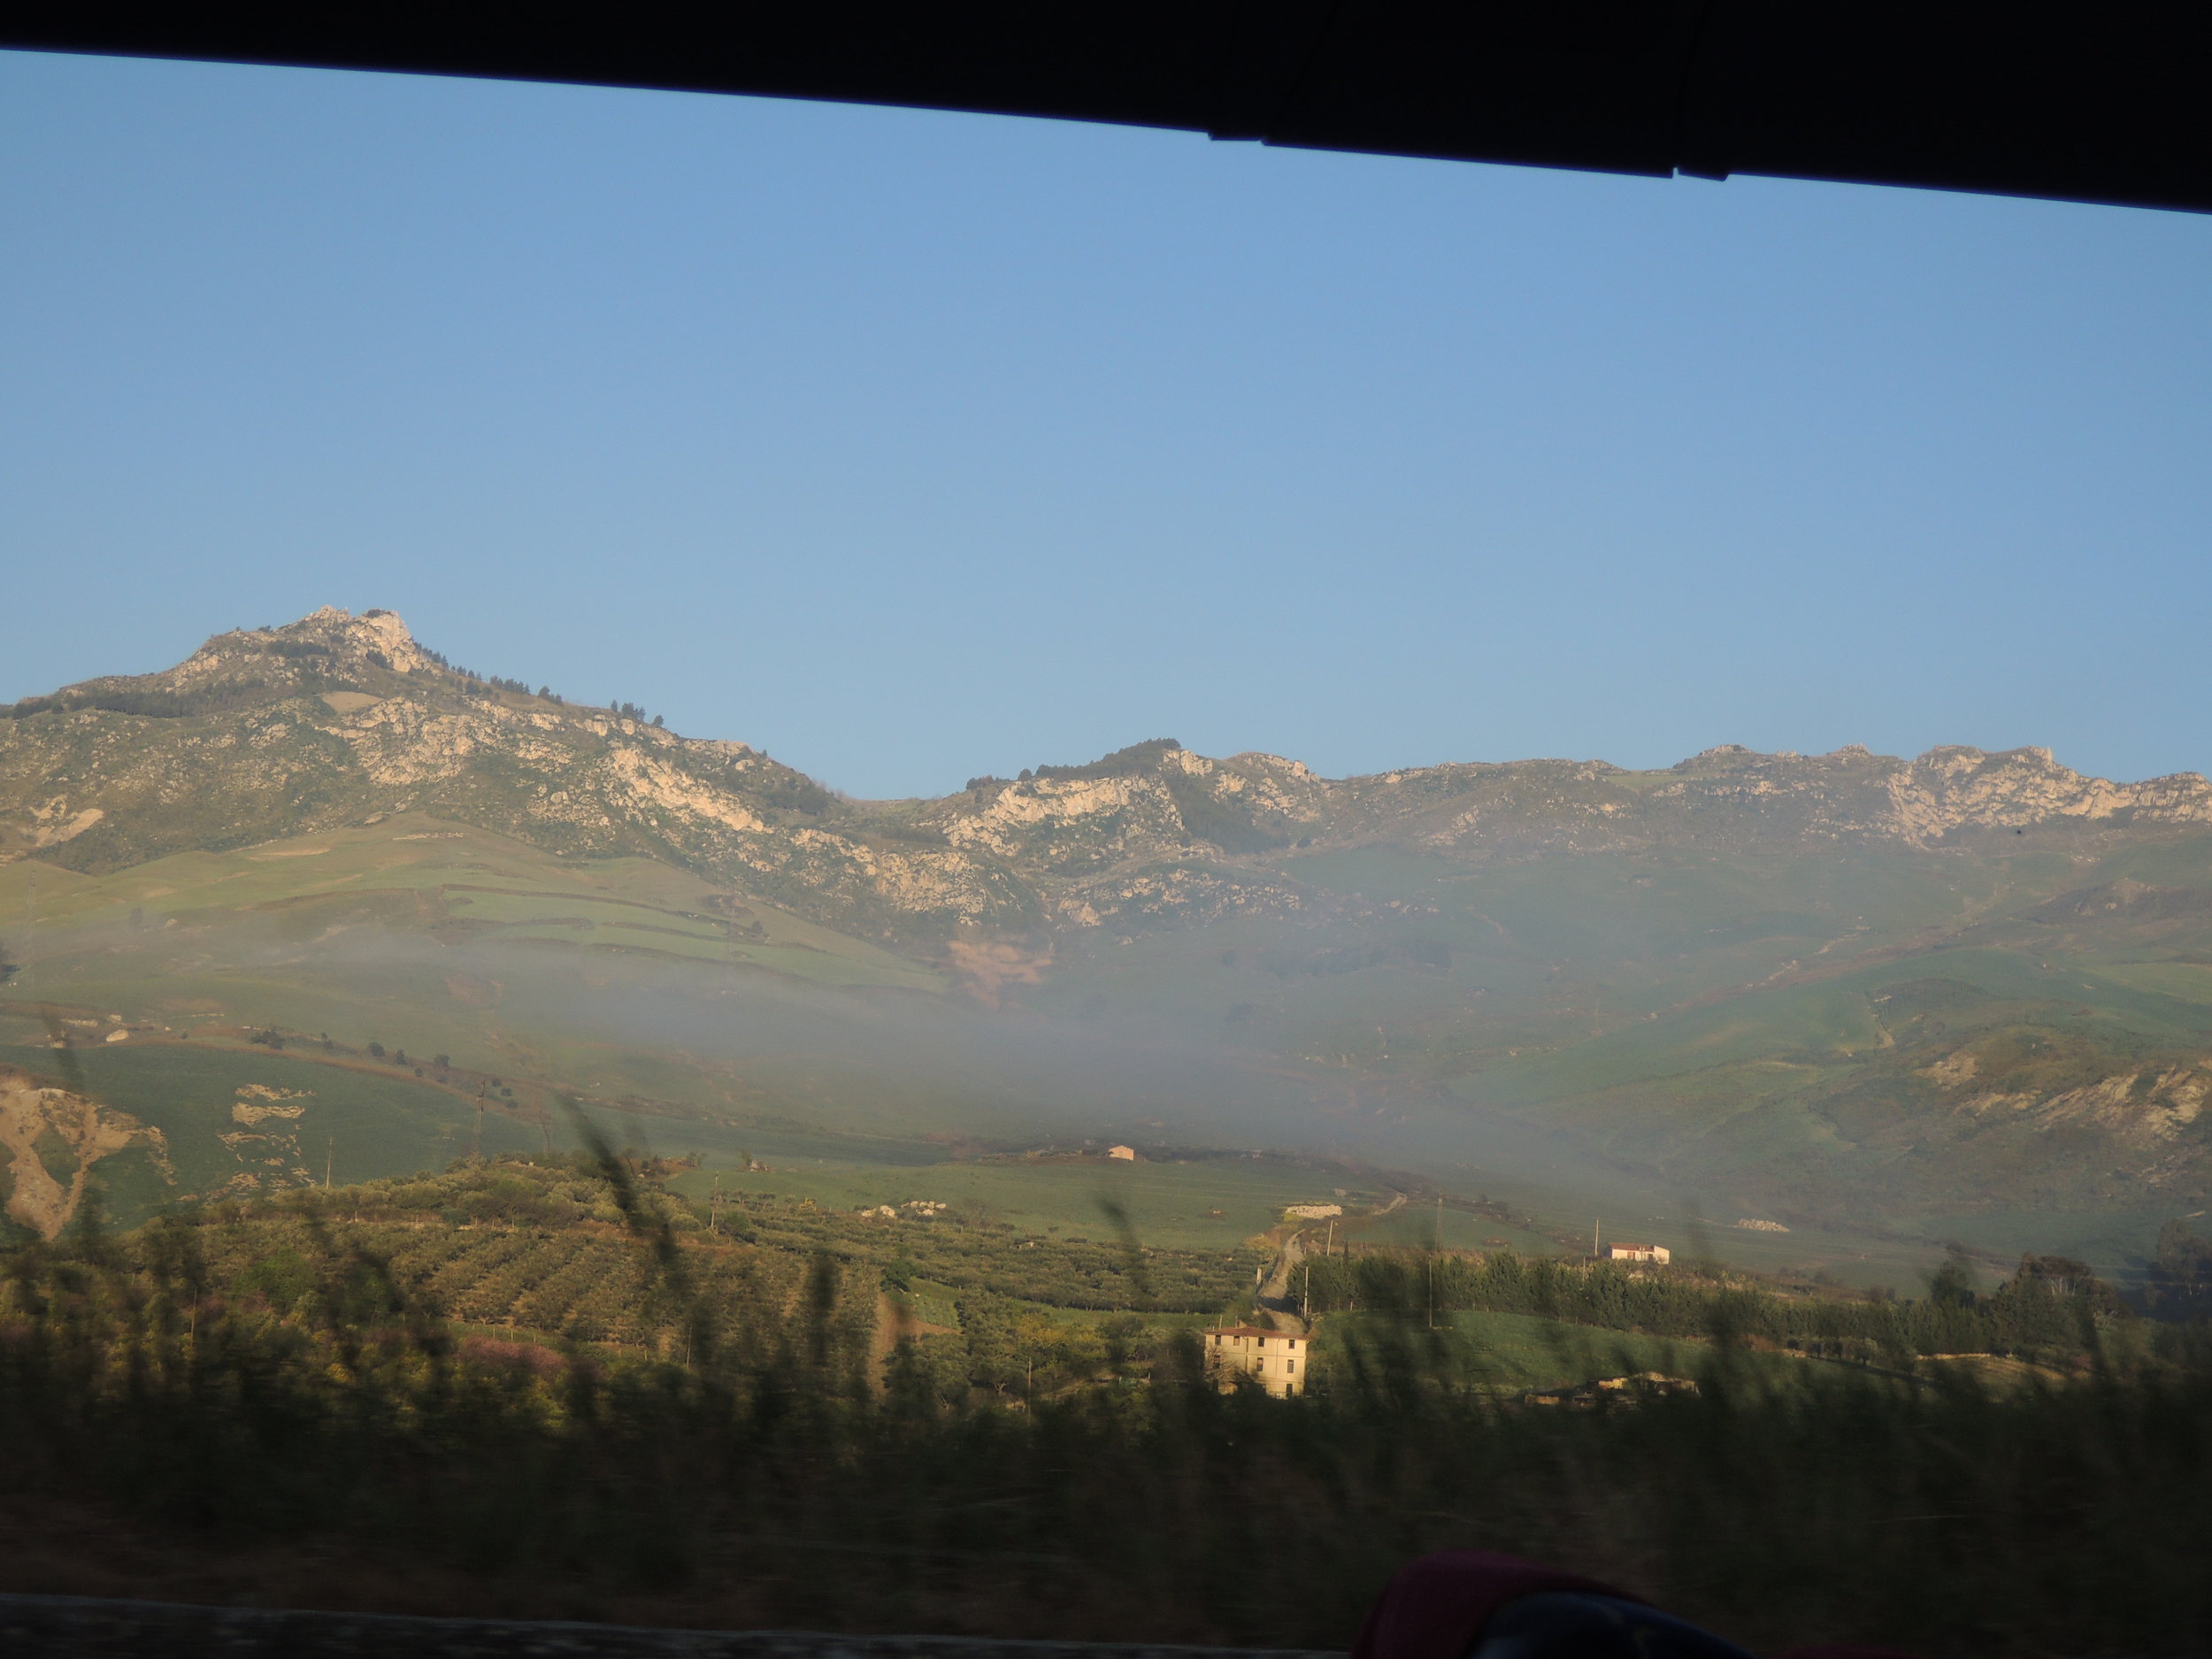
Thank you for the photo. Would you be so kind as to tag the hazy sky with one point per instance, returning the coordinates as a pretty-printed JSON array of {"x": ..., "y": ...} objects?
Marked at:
[{"x": 909, "y": 446}]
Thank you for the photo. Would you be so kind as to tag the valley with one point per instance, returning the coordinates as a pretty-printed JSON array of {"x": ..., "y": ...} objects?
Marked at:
[{"x": 1875, "y": 1006}]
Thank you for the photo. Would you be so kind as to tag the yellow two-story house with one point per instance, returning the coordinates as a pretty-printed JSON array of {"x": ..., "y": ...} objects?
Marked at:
[{"x": 1274, "y": 1359}]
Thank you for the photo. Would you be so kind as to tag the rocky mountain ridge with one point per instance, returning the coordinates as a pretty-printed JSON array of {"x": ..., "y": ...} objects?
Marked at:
[{"x": 336, "y": 718}]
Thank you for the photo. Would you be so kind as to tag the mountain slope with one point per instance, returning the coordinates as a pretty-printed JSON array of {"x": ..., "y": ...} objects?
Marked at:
[
  {"x": 335, "y": 719},
  {"x": 1840, "y": 988}
]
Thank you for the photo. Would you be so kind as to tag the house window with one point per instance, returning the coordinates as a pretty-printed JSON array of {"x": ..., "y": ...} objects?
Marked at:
[{"x": 1290, "y": 1367}]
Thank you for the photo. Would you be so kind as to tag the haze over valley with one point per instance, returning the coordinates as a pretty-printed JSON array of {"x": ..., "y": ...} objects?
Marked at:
[
  {"x": 1869, "y": 1003},
  {"x": 1045, "y": 874}
]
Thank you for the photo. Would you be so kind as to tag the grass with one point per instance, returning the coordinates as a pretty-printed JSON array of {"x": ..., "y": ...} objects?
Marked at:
[
  {"x": 1420, "y": 1225},
  {"x": 462, "y": 875},
  {"x": 722, "y": 1024},
  {"x": 394, "y": 1122},
  {"x": 353, "y": 1126},
  {"x": 268, "y": 1399},
  {"x": 1514, "y": 1351},
  {"x": 1214, "y": 1202},
  {"x": 367, "y": 1121},
  {"x": 2183, "y": 982}
]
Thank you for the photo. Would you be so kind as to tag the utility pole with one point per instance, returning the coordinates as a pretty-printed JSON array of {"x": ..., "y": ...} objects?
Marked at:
[
  {"x": 330, "y": 1157},
  {"x": 714, "y": 1203},
  {"x": 476, "y": 1150},
  {"x": 1595, "y": 1227}
]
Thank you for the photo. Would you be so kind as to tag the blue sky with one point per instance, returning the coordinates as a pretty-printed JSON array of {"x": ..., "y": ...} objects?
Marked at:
[{"x": 909, "y": 446}]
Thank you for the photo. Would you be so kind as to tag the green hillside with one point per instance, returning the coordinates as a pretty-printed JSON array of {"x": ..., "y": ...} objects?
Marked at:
[{"x": 1878, "y": 1004}]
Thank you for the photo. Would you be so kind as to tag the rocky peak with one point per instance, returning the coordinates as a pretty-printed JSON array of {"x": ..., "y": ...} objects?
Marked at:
[
  {"x": 1719, "y": 755},
  {"x": 377, "y": 638},
  {"x": 266, "y": 732},
  {"x": 329, "y": 651},
  {"x": 1955, "y": 787},
  {"x": 329, "y": 643}
]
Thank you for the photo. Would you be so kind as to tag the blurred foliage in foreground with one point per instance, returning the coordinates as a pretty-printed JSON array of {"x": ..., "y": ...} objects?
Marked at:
[
  {"x": 2052, "y": 1311},
  {"x": 768, "y": 1463}
]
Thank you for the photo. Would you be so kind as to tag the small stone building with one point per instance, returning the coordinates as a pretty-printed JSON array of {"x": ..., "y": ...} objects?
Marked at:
[
  {"x": 1128, "y": 1155},
  {"x": 1657, "y": 1254},
  {"x": 1274, "y": 1359}
]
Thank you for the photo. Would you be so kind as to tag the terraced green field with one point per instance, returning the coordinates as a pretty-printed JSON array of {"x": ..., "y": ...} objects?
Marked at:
[{"x": 1204, "y": 1203}]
